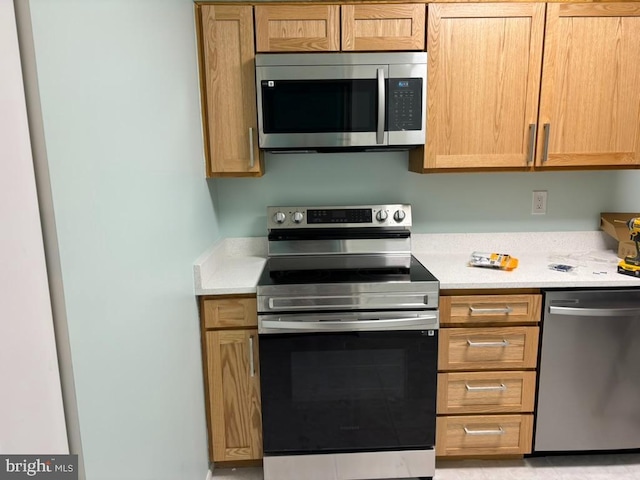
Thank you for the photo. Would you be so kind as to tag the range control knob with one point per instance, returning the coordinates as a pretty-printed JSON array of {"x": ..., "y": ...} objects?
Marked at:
[
  {"x": 297, "y": 217},
  {"x": 279, "y": 217},
  {"x": 399, "y": 215},
  {"x": 382, "y": 215}
]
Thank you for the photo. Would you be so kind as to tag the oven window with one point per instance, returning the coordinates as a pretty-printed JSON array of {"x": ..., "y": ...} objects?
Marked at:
[
  {"x": 319, "y": 106},
  {"x": 360, "y": 375},
  {"x": 347, "y": 392}
]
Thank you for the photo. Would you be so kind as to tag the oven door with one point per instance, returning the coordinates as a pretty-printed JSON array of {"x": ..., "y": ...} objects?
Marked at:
[{"x": 363, "y": 389}]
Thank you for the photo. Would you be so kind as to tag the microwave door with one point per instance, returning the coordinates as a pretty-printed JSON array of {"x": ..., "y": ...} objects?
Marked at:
[{"x": 326, "y": 106}]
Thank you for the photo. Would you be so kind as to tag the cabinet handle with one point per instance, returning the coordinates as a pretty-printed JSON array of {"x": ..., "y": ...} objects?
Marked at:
[
  {"x": 545, "y": 150},
  {"x": 532, "y": 142},
  {"x": 499, "y": 431},
  {"x": 503, "y": 343},
  {"x": 507, "y": 309},
  {"x": 488, "y": 388},
  {"x": 252, "y": 365},
  {"x": 252, "y": 160}
]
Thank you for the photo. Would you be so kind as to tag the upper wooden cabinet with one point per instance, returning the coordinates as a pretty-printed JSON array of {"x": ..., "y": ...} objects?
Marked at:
[
  {"x": 297, "y": 28},
  {"x": 306, "y": 28},
  {"x": 590, "y": 101},
  {"x": 227, "y": 62},
  {"x": 494, "y": 103},
  {"x": 483, "y": 84},
  {"x": 383, "y": 27}
]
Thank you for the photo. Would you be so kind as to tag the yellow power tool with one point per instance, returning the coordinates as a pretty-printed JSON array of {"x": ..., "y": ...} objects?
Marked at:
[{"x": 631, "y": 265}]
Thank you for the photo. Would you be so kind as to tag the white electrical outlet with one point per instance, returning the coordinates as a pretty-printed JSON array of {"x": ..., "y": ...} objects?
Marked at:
[{"x": 539, "y": 206}]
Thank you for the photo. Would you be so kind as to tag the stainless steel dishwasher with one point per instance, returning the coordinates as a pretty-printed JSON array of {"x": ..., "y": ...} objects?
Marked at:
[{"x": 589, "y": 384}]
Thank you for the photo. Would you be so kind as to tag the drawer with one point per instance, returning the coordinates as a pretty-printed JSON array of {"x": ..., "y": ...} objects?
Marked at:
[
  {"x": 230, "y": 312},
  {"x": 486, "y": 392},
  {"x": 479, "y": 309},
  {"x": 484, "y": 435},
  {"x": 488, "y": 348}
]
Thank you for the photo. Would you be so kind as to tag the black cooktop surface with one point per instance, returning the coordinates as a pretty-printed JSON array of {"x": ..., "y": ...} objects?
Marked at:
[{"x": 415, "y": 273}]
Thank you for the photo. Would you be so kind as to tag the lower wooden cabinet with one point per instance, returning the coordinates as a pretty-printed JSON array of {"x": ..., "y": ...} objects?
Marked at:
[
  {"x": 488, "y": 348},
  {"x": 232, "y": 378},
  {"x": 486, "y": 392},
  {"x": 487, "y": 359},
  {"x": 486, "y": 379},
  {"x": 484, "y": 435}
]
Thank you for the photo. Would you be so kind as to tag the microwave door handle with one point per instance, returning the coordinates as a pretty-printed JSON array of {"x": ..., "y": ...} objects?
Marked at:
[{"x": 381, "y": 106}]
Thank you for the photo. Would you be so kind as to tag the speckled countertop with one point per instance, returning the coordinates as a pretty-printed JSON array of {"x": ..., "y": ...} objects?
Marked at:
[{"x": 234, "y": 265}]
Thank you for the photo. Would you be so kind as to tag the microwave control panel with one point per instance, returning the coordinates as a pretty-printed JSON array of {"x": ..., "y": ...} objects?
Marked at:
[{"x": 404, "y": 106}]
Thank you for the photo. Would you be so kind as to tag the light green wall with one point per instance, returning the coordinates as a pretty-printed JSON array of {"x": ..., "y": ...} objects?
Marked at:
[
  {"x": 627, "y": 191},
  {"x": 119, "y": 90},
  {"x": 443, "y": 202}
]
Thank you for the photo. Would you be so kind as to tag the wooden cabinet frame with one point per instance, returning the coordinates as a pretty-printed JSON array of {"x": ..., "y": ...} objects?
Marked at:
[
  {"x": 487, "y": 361},
  {"x": 227, "y": 80},
  {"x": 232, "y": 378}
]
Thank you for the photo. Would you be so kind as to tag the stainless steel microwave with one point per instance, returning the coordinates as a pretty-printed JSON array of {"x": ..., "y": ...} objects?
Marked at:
[{"x": 341, "y": 101}]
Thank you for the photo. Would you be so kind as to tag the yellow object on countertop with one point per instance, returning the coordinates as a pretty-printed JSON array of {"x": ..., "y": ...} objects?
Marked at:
[{"x": 501, "y": 261}]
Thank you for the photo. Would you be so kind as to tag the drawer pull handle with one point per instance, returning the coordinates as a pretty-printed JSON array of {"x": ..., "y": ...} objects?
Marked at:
[
  {"x": 503, "y": 343},
  {"x": 507, "y": 309},
  {"x": 488, "y": 388},
  {"x": 499, "y": 431}
]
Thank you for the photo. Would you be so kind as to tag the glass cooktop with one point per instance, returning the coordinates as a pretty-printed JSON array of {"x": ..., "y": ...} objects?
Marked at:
[{"x": 415, "y": 273}]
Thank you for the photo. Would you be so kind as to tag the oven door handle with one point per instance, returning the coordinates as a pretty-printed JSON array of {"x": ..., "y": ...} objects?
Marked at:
[{"x": 335, "y": 324}]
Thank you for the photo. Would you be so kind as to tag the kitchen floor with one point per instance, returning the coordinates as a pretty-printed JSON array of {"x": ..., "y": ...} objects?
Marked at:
[{"x": 571, "y": 467}]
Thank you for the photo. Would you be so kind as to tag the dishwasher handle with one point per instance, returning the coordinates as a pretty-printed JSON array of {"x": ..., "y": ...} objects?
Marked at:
[{"x": 595, "y": 311}]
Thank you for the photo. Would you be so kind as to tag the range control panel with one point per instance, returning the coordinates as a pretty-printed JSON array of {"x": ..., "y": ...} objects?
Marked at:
[{"x": 339, "y": 217}]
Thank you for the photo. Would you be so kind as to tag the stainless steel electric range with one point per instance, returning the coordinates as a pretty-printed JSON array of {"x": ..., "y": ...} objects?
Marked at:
[{"x": 348, "y": 327}]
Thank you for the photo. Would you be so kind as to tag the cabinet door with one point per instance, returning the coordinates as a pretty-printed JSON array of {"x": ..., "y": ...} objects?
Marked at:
[
  {"x": 483, "y": 84},
  {"x": 590, "y": 100},
  {"x": 383, "y": 27},
  {"x": 297, "y": 28},
  {"x": 234, "y": 394},
  {"x": 229, "y": 91}
]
